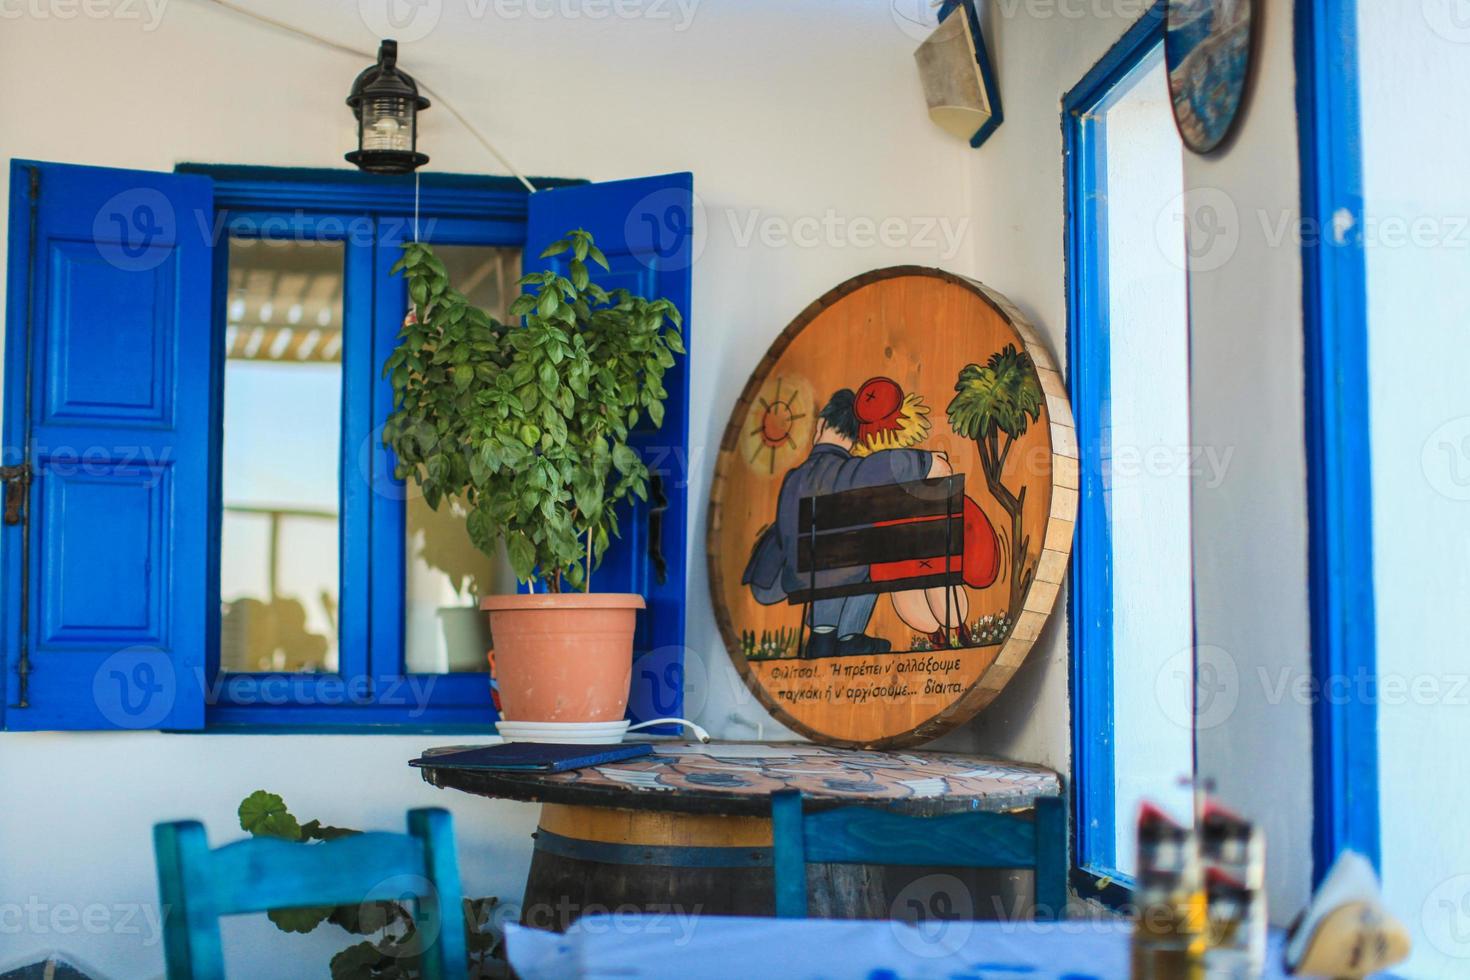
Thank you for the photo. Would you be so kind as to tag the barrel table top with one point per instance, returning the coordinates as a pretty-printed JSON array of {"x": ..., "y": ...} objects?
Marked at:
[{"x": 737, "y": 779}]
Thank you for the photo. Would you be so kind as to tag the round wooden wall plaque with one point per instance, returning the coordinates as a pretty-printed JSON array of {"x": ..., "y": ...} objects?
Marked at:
[{"x": 892, "y": 508}]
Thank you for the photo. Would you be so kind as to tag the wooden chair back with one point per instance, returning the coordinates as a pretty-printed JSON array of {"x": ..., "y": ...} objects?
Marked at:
[
  {"x": 198, "y": 885},
  {"x": 1029, "y": 839}
]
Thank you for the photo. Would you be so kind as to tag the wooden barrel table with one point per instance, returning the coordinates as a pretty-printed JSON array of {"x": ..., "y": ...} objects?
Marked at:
[{"x": 687, "y": 830}]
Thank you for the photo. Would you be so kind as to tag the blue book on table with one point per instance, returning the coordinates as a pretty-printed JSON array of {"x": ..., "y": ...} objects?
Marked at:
[{"x": 534, "y": 756}]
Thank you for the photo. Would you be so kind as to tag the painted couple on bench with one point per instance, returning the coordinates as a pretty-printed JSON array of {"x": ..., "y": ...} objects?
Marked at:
[{"x": 865, "y": 439}]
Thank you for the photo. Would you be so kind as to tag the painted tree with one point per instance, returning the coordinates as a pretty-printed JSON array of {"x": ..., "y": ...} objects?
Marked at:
[{"x": 993, "y": 405}]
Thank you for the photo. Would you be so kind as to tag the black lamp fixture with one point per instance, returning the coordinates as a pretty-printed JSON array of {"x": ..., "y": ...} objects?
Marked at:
[{"x": 386, "y": 102}]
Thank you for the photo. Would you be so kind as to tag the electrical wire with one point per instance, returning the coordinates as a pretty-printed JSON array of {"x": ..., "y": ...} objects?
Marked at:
[{"x": 327, "y": 42}]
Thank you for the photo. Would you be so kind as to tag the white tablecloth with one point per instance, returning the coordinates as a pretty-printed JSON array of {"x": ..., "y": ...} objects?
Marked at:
[{"x": 717, "y": 947}]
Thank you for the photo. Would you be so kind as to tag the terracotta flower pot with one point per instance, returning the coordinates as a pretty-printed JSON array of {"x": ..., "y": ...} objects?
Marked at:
[{"x": 565, "y": 657}]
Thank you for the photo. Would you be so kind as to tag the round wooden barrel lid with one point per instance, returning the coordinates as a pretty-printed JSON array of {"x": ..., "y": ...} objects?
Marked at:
[{"x": 892, "y": 508}]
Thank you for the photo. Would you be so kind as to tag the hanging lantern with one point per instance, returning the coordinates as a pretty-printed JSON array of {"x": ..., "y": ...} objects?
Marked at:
[{"x": 386, "y": 102}]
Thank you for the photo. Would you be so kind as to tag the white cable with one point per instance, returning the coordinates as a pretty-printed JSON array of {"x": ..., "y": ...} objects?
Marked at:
[
  {"x": 475, "y": 133},
  {"x": 699, "y": 733},
  {"x": 356, "y": 52}
]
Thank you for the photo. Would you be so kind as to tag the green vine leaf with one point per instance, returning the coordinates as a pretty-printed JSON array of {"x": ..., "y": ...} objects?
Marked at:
[
  {"x": 368, "y": 917},
  {"x": 299, "y": 920},
  {"x": 393, "y": 951},
  {"x": 264, "y": 814},
  {"x": 357, "y": 962},
  {"x": 316, "y": 830}
]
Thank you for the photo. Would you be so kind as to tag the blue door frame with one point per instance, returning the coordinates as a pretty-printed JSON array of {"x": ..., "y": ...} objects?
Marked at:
[
  {"x": 1090, "y": 634},
  {"x": 1339, "y": 471}
]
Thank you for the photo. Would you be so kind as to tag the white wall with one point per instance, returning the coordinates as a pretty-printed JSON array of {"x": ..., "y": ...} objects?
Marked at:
[
  {"x": 76, "y": 845},
  {"x": 1418, "y": 259},
  {"x": 796, "y": 118}
]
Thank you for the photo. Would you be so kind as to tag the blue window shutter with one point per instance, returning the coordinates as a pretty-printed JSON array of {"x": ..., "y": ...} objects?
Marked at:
[
  {"x": 109, "y": 331},
  {"x": 646, "y": 228}
]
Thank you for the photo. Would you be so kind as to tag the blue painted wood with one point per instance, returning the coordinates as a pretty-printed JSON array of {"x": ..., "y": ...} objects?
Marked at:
[
  {"x": 278, "y": 189},
  {"x": 646, "y": 228},
  {"x": 354, "y": 525},
  {"x": 465, "y": 211},
  {"x": 444, "y": 917},
  {"x": 389, "y": 520},
  {"x": 852, "y": 835},
  {"x": 458, "y": 209},
  {"x": 869, "y": 835},
  {"x": 1091, "y": 591},
  {"x": 1051, "y": 857},
  {"x": 1122, "y": 58},
  {"x": 350, "y": 686},
  {"x": 24, "y": 208},
  {"x": 1090, "y": 634},
  {"x": 371, "y": 692},
  {"x": 219, "y": 320},
  {"x": 788, "y": 850},
  {"x": 1339, "y": 469},
  {"x": 442, "y": 696},
  {"x": 403, "y": 705},
  {"x": 198, "y": 886},
  {"x": 117, "y": 287}
]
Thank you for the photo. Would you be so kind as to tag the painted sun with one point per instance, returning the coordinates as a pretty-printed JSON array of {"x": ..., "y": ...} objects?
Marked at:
[{"x": 779, "y": 424}]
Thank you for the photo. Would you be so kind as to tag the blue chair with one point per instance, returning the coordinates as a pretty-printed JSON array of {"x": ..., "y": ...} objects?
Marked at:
[
  {"x": 198, "y": 885},
  {"x": 1035, "y": 840}
]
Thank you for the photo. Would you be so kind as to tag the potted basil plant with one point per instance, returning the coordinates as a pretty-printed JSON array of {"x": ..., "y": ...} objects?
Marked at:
[{"x": 527, "y": 425}]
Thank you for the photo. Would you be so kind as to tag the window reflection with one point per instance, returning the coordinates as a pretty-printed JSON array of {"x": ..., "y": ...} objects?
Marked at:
[
  {"x": 279, "y": 547},
  {"x": 444, "y": 631},
  {"x": 1148, "y": 414}
]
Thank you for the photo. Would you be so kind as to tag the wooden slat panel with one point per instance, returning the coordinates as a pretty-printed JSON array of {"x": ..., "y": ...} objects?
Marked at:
[
  {"x": 1051, "y": 857},
  {"x": 789, "y": 855},
  {"x": 199, "y": 885},
  {"x": 855, "y": 835},
  {"x": 887, "y": 542},
  {"x": 441, "y": 915},
  {"x": 850, "y": 508},
  {"x": 870, "y": 588},
  {"x": 263, "y": 873}
]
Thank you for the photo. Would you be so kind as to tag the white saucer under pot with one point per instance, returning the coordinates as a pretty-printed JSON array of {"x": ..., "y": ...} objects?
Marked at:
[
  {"x": 589, "y": 733},
  {"x": 566, "y": 727},
  {"x": 609, "y": 739},
  {"x": 583, "y": 738}
]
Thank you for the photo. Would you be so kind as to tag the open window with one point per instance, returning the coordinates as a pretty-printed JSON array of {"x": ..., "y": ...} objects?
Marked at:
[
  {"x": 208, "y": 532},
  {"x": 1132, "y": 625}
]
